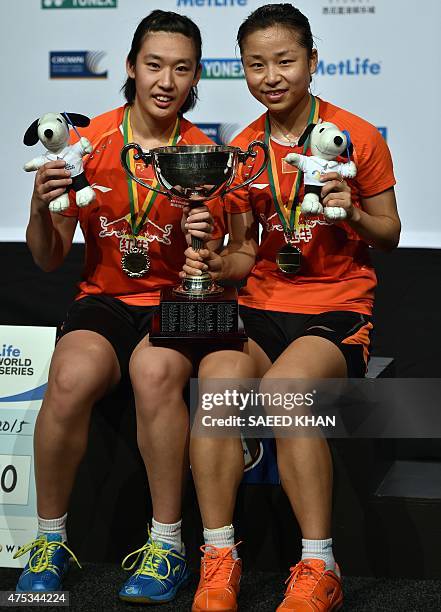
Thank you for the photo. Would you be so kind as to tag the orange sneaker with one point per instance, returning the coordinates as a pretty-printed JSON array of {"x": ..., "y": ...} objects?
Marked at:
[
  {"x": 312, "y": 589},
  {"x": 219, "y": 584}
]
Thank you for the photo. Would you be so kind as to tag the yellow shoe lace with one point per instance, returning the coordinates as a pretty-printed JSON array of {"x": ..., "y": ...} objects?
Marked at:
[
  {"x": 153, "y": 555},
  {"x": 41, "y": 558}
]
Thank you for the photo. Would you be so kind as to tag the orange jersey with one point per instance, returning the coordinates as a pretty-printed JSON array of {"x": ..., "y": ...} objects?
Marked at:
[
  {"x": 105, "y": 223},
  {"x": 336, "y": 272}
]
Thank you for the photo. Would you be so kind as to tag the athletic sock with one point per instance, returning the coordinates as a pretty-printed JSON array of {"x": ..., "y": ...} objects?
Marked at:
[
  {"x": 319, "y": 549},
  {"x": 222, "y": 537},
  {"x": 170, "y": 533},
  {"x": 56, "y": 525}
]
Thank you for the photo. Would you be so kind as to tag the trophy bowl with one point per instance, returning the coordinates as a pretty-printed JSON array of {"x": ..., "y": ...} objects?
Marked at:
[
  {"x": 191, "y": 172},
  {"x": 199, "y": 170}
]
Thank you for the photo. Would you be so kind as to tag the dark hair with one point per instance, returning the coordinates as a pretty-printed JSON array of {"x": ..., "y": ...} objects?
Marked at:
[
  {"x": 164, "y": 21},
  {"x": 285, "y": 15}
]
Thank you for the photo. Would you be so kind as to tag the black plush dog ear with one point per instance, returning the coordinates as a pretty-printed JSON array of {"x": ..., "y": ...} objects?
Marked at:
[
  {"x": 31, "y": 136},
  {"x": 306, "y": 134},
  {"x": 77, "y": 119}
]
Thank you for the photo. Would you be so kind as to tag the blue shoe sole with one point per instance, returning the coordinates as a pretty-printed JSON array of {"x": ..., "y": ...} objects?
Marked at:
[{"x": 167, "y": 597}]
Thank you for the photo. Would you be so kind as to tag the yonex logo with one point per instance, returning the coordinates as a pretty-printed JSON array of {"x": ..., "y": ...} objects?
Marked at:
[
  {"x": 222, "y": 69},
  {"x": 79, "y": 4}
]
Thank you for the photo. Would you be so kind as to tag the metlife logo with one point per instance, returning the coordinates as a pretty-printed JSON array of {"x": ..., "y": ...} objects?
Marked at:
[
  {"x": 222, "y": 69},
  {"x": 349, "y": 67},
  {"x": 13, "y": 363},
  {"x": 78, "y": 4},
  {"x": 76, "y": 65},
  {"x": 210, "y": 3}
]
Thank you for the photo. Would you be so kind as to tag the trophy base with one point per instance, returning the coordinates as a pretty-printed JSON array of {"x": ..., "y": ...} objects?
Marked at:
[{"x": 212, "y": 320}]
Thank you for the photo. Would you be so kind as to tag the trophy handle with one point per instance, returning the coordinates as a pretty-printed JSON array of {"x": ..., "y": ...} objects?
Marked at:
[
  {"x": 244, "y": 155},
  {"x": 146, "y": 158}
]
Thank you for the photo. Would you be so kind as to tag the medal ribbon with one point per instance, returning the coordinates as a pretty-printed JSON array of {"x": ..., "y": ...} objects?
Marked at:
[
  {"x": 135, "y": 223},
  {"x": 289, "y": 213}
]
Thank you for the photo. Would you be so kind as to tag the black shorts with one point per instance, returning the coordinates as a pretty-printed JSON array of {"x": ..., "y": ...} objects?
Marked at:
[
  {"x": 122, "y": 325},
  {"x": 274, "y": 332}
]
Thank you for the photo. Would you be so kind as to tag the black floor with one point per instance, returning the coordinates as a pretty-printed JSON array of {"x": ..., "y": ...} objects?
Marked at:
[{"x": 94, "y": 589}]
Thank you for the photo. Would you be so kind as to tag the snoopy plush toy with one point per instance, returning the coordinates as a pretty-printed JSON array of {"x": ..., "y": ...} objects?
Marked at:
[
  {"x": 52, "y": 129},
  {"x": 326, "y": 142}
]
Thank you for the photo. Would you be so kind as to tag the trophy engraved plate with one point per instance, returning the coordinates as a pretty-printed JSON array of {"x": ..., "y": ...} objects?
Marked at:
[{"x": 215, "y": 318}]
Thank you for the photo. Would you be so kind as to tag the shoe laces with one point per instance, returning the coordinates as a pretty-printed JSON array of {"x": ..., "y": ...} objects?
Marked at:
[
  {"x": 303, "y": 577},
  {"x": 217, "y": 565},
  {"x": 152, "y": 555},
  {"x": 41, "y": 559}
]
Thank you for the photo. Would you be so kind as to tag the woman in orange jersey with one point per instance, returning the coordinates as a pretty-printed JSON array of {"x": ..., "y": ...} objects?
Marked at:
[
  {"x": 307, "y": 302},
  {"x": 103, "y": 338}
]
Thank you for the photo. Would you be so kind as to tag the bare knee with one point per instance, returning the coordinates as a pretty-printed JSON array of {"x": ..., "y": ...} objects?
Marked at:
[
  {"x": 158, "y": 372},
  {"x": 77, "y": 380},
  {"x": 227, "y": 364}
]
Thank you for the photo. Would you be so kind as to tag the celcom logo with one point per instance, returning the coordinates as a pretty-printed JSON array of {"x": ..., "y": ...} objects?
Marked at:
[
  {"x": 349, "y": 67},
  {"x": 222, "y": 69},
  {"x": 211, "y": 3},
  {"x": 221, "y": 133},
  {"x": 79, "y": 4},
  {"x": 76, "y": 65}
]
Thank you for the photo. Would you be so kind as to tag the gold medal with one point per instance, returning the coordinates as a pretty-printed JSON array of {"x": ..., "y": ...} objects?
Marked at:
[
  {"x": 135, "y": 263},
  {"x": 289, "y": 259}
]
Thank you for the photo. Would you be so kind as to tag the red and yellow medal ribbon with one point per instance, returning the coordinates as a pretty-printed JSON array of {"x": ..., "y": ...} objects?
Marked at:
[
  {"x": 138, "y": 217},
  {"x": 289, "y": 213}
]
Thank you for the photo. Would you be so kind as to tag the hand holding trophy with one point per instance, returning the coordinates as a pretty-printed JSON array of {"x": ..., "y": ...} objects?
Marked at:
[{"x": 196, "y": 174}]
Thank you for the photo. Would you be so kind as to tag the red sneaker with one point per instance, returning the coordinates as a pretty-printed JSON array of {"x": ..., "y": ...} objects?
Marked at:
[
  {"x": 219, "y": 584},
  {"x": 312, "y": 589}
]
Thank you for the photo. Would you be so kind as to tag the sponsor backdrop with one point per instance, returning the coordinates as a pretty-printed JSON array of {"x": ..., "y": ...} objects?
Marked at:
[
  {"x": 25, "y": 354},
  {"x": 376, "y": 59}
]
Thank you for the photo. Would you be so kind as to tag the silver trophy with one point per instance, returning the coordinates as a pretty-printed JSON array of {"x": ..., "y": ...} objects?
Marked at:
[{"x": 195, "y": 174}]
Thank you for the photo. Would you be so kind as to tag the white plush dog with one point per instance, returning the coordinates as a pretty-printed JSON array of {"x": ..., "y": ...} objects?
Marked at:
[
  {"x": 52, "y": 130},
  {"x": 326, "y": 142}
]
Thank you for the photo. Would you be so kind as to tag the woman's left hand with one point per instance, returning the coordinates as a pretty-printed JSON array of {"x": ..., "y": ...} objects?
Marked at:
[
  {"x": 337, "y": 193},
  {"x": 197, "y": 222}
]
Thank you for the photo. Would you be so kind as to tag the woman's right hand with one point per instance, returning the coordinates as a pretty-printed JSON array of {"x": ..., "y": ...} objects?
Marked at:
[
  {"x": 51, "y": 181},
  {"x": 204, "y": 260}
]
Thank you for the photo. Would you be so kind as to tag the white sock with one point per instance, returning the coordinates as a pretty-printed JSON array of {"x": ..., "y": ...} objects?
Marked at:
[
  {"x": 319, "y": 549},
  {"x": 222, "y": 537},
  {"x": 170, "y": 533},
  {"x": 56, "y": 525}
]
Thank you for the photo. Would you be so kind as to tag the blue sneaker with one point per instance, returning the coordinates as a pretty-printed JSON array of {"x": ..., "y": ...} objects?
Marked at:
[
  {"x": 47, "y": 565},
  {"x": 161, "y": 572}
]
